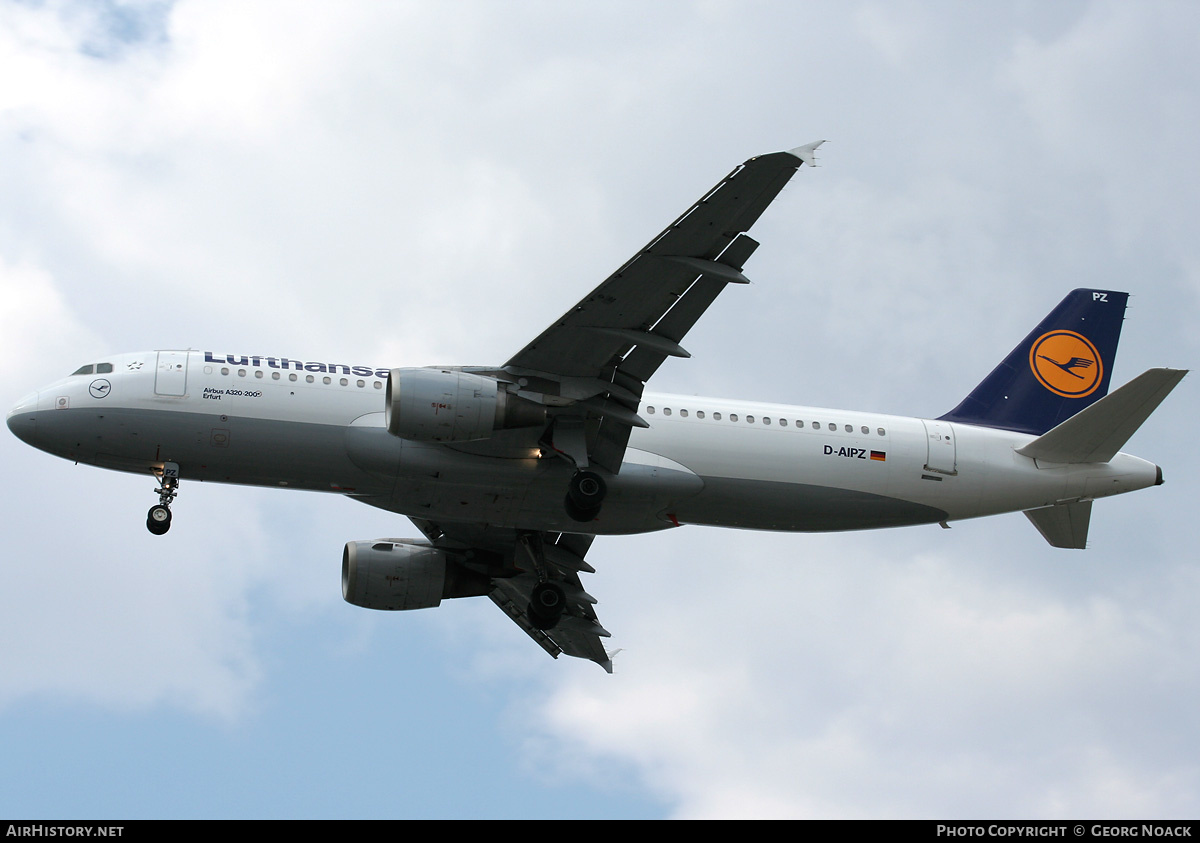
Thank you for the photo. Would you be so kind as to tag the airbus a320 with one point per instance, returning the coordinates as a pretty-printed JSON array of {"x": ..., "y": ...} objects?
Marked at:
[{"x": 510, "y": 471}]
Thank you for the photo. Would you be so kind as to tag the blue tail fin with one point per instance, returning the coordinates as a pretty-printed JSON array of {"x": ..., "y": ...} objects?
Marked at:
[{"x": 1063, "y": 366}]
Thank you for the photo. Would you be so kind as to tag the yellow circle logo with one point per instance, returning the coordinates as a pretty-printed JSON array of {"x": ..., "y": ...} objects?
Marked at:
[{"x": 1066, "y": 363}]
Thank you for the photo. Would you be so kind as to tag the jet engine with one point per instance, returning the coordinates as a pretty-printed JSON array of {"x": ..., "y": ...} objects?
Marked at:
[
  {"x": 444, "y": 405},
  {"x": 398, "y": 574}
]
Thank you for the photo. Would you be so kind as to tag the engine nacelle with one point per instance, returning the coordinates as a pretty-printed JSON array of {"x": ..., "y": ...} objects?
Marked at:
[
  {"x": 396, "y": 574},
  {"x": 443, "y": 405}
]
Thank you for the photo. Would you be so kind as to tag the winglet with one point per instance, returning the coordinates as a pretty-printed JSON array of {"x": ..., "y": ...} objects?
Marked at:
[{"x": 806, "y": 153}]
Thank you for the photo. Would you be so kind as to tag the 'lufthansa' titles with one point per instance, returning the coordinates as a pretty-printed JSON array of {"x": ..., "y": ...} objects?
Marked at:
[{"x": 258, "y": 362}]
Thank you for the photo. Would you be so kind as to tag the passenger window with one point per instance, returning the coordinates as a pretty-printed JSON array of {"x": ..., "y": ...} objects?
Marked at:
[
  {"x": 274, "y": 376},
  {"x": 241, "y": 373},
  {"x": 683, "y": 413},
  {"x": 749, "y": 419},
  {"x": 224, "y": 370},
  {"x": 344, "y": 382},
  {"x": 378, "y": 385},
  {"x": 799, "y": 423},
  {"x": 361, "y": 384},
  {"x": 733, "y": 416},
  {"x": 849, "y": 428},
  {"x": 326, "y": 380},
  {"x": 650, "y": 410},
  {"x": 783, "y": 422},
  {"x": 816, "y": 425},
  {"x": 291, "y": 376},
  {"x": 666, "y": 411},
  {"x": 699, "y": 414},
  {"x": 881, "y": 432},
  {"x": 717, "y": 416},
  {"x": 258, "y": 373},
  {"x": 766, "y": 420},
  {"x": 309, "y": 379},
  {"x": 865, "y": 429}
]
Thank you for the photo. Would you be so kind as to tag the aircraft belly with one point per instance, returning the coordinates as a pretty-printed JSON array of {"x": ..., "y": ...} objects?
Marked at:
[
  {"x": 280, "y": 453},
  {"x": 759, "y": 505},
  {"x": 435, "y": 482},
  {"x": 246, "y": 451},
  {"x": 641, "y": 498}
]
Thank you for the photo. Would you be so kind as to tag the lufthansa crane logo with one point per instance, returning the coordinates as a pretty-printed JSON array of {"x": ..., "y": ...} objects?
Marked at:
[{"x": 1066, "y": 363}]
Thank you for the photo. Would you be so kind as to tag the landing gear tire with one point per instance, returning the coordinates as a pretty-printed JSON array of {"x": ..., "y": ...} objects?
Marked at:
[
  {"x": 585, "y": 494},
  {"x": 158, "y": 519},
  {"x": 581, "y": 515},
  {"x": 586, "y": 489},
  {"x": 546, "y": 605}
]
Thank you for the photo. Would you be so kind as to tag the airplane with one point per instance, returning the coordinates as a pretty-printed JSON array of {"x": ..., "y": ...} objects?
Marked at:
[{"x": 511, "y": 471}]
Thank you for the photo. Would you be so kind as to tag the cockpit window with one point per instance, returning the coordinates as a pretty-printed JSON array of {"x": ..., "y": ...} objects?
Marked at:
[{"x": 96, "y": 368}]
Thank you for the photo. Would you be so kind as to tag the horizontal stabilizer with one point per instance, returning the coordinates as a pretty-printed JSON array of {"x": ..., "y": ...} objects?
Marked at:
[
  {"x": 1063, "y": 525},
  {"x": 1097, "y": 433}
]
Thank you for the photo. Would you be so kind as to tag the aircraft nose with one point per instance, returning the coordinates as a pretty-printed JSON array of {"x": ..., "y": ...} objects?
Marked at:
[{"x": 22, "y": 419}]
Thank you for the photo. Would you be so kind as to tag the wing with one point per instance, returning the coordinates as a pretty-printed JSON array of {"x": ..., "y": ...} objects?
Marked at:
[
  {"x": 516, "y": 557},
  {"x": 589, "y": 369},
  {"x": 595, "y": 360}
]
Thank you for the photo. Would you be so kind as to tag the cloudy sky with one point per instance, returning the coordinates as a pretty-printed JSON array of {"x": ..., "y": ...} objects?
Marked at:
[{"x": 418, "y": 183}]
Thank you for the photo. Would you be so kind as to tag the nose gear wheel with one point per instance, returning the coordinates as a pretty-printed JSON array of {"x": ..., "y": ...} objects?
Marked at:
[{"x": 158, "y": 519}]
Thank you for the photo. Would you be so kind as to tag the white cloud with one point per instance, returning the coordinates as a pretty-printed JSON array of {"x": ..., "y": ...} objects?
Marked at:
[
  {"x": 37, "y": 327},
  {"x": 888, "y": 682}
]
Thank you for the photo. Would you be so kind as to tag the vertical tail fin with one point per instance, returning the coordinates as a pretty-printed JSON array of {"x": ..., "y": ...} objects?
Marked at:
[{"x": 1062, "y": 367}]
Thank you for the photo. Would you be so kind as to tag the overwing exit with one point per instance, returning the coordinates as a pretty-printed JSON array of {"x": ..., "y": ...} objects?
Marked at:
[{"x": 510, "y": 471}]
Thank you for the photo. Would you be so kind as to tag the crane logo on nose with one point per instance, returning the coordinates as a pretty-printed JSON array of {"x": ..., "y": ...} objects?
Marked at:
[{"x": 99, "y": 388}]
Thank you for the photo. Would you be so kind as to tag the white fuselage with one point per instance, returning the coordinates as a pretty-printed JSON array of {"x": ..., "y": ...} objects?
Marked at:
[{"x": 702, "y": 460}]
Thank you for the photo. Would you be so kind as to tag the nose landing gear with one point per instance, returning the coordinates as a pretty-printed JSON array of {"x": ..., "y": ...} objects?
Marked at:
[{"x": 158, "y": 519}]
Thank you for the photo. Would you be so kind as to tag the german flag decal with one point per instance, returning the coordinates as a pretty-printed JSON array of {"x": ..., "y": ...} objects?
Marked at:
[{"x": 879, "y": 455}]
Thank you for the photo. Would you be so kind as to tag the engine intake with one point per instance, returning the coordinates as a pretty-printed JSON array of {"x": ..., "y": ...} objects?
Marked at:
[
  {"x": 444, "y": 405},
  {"x": 399, "y": 574}
]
